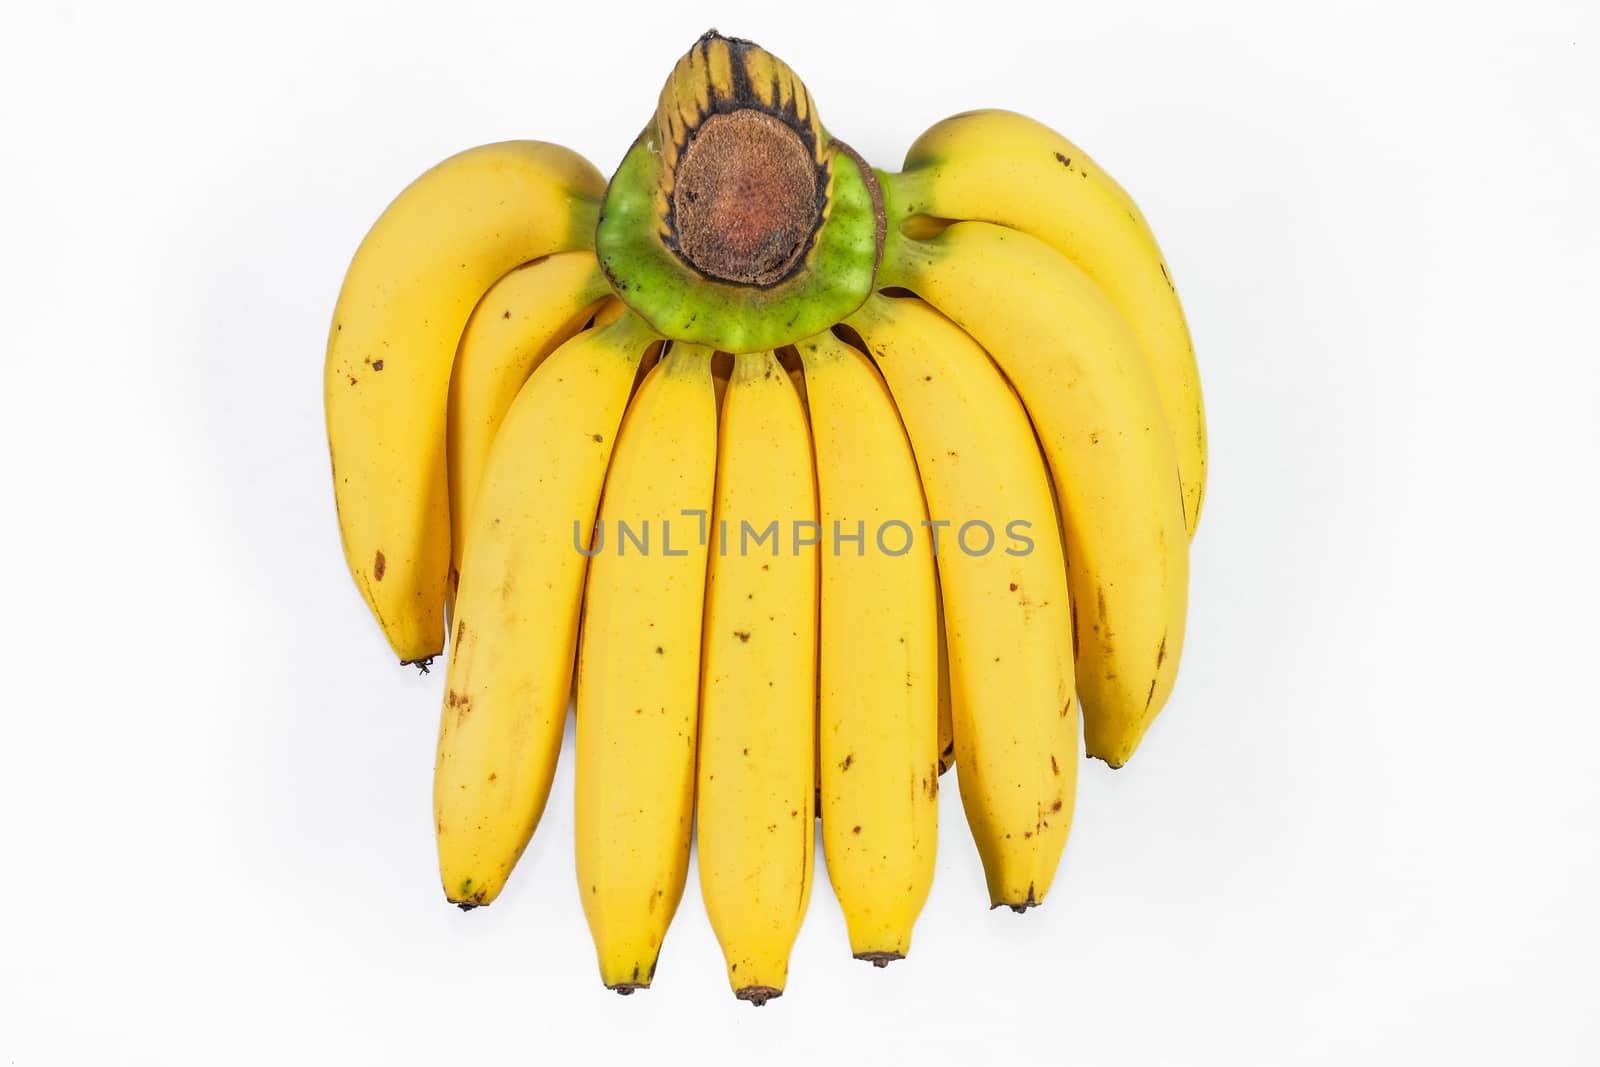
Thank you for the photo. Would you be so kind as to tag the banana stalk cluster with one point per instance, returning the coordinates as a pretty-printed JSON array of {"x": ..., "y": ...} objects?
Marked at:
[{"x": 806, "y": 479}]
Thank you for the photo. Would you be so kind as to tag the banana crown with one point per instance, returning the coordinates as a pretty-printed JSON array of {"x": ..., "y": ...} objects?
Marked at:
[{"x": 736, "y": 221}]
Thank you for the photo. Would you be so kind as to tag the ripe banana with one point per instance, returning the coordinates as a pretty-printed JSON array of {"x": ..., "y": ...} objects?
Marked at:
[
  {"x": 639, "y": 667},
  {"x": 515, "y": 631},
  {"x": 406, "y": 299},
  {"x": 1094, "y": 404},
  {"x": 1007, "y": 610},
  {"x": 753, "y": 807},
  {"x": 892, "y": 472},
  {"x": 878, "y": 715},
  {"x": 518, "y": 323},
  {"x": 998, "y": 166}
]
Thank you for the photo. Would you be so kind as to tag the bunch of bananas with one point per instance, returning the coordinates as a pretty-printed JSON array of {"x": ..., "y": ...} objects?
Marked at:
[{"x": 819, "y": 478}]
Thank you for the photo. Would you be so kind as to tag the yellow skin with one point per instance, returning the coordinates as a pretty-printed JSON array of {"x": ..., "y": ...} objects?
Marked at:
[
  {"x": 755, "y": 781},
  {"x": 879, "y": 670},
  {"x": 526, "y": 315},
  {"x": 639, "y": 668},
  {"x": 516, "y": 625},
  {"x": 998, "y": 166},
  {"x": 1094, "y": 404},
  {"x": 406, "y": 300},
  {"x": 1007, "y": 616}
]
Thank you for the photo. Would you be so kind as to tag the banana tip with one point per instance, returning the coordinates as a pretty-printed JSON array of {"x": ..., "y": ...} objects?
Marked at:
[
  {"x": 422, "y": 663},
  {"x": 1017, "y": 907},
  {"x": 880, "y": 959},
  {"x": 757, "y": 995}
]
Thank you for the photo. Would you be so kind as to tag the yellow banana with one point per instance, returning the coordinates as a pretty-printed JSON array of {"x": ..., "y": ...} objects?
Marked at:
[
  {"x": 519, "y": 322},
  {"x": 1091, "y": 398},
  {"x": 515, "y": 629},
  {"x": 753, "y": 807},
  {"x": 1003, "y": 580},
  {"x": 998, "y": 166},
  {"x": 406, "y": 299},
  {"x": 639, "y": 667},
  {"x": 878, "y": 716}
]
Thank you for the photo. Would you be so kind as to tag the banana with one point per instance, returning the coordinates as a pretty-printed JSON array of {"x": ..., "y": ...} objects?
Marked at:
[
  {"x": 808, "y": 481},
  {"x": 878, "y": 715},
  {"x": 998, "y": 166},
  {"x": 406, "y": 299},
  {"x": 753, "y": 806},
  {"x": 515, "y": 629},
  {"x": 1093, "y": 401},
  {"x": 518, "y": 323},
  {"x": 639, "y": 667},
  {"x": 1006, "y": 604}
]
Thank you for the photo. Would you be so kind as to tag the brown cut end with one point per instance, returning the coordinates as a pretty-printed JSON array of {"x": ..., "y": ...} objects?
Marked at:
[
  {"x": 880, "y": 959},
  {"x": 625, "y": 989},
  {"x": 757, "y": 994},
  {"x": 1018, "y": 908},
  {"x": 744, "y": 198},
  {"x": 1031, "y": 901}
]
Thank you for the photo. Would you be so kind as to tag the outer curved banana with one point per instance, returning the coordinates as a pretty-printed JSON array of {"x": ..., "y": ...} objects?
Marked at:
[
  {"x": 516, "y": 622},
  {"x": 878, "y": 717},
  {"x": 406, "y": 298},
  {"x": 1007, "y": 609},
  {"x": 639, "y": 667},
  {"x": 1092, "y": 400},
  {"x": 998, "y": 166},
  {"x": 753, "y": 809},
  {"x": 517, "y": 324}
]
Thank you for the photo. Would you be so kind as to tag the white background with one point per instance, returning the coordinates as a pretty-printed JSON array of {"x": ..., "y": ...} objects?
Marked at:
[{"x": 1367, "y": 829}]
